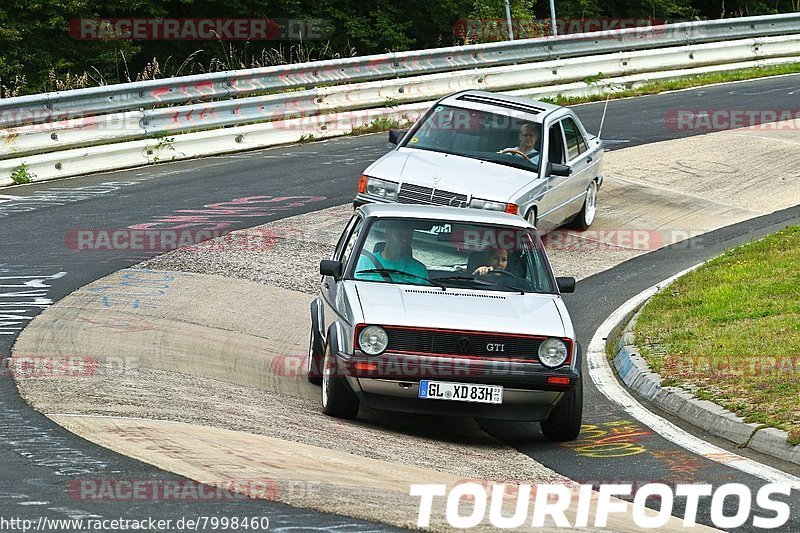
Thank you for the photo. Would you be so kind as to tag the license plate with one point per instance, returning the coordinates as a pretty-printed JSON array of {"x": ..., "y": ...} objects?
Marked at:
[{"x": 460, "y": 392}]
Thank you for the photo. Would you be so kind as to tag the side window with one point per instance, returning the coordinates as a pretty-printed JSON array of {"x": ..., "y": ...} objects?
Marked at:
[
  {"x": 337, "y": 252},
  {"x": 351, "y": 241},
  {"x": 576, "y": 144},
  {"x": 556, "y": 151}
]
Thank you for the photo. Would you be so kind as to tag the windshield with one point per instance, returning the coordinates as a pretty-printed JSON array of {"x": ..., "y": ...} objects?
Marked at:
[
  {"x": 446, "y": 255},
  {"x": 502, "y": 139}
]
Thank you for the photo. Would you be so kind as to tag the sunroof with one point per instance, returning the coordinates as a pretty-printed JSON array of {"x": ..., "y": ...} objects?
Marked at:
[{"x": 479, "y": 99}]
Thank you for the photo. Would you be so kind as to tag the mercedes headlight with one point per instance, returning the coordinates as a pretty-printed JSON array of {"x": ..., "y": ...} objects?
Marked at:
[
  {"x": 490, "y": 205},
  {"x": 553, "y": 352},
  {"x": 373, "y": 340},
  {"x": 384, "y": 189}
]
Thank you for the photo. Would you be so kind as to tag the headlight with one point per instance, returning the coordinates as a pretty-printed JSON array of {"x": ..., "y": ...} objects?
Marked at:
[
  {"x": 490, "y": 205},
  {"x": 553, "y": 352},
  {"x": 384, "y": 189},
  {"x": 373, "y": 340}
]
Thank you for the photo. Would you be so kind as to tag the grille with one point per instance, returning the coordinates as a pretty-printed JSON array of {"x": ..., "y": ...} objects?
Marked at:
[
  {"x": 416, "y": 194},
  {"x": 461, "y": 343}
]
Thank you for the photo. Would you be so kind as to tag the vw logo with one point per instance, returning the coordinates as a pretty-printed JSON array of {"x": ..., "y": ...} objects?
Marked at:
[
  {"x": 463, "y": 344},
  {"x": 436, "y": 179}
]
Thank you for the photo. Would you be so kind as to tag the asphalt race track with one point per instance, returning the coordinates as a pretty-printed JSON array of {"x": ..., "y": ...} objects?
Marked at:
[{"x": 38, "y": 458}]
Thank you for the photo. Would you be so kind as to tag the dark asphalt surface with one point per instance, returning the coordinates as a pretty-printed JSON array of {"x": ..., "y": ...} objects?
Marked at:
[{"x": 38, "y": 459}]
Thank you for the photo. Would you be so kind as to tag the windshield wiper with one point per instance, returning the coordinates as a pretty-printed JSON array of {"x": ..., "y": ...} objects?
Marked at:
[
  {"x": 395, "y": 271},
  {"x": 504, "y": 162},
  {"x": 457, "y": 278},
  {"x": 511, "y": 287},
  {"x": 479, "y": 282},
  {"x": 522, "y": 166}
]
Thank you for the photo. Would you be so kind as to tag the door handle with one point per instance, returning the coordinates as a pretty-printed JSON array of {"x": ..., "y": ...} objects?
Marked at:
[
  {"x": 325, "y": 284},
  {"x": 589, "y": 159}
]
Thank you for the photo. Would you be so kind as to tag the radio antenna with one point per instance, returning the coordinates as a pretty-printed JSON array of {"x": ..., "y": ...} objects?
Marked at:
[{"x": 603, "y": 118}]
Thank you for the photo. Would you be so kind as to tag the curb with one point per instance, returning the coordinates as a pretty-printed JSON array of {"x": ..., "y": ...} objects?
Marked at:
[{"x": 636, "y": 374}]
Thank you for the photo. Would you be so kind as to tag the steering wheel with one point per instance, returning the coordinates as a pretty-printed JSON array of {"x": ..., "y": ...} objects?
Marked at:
[
  {"x": 515, "y": 152},
  {"x": 501, "y": 272},
  {"x": 524, "y": 283}
]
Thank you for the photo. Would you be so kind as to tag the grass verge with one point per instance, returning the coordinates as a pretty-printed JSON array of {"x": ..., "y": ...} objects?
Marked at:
[
  {"x": 376, "y": 126},
  {"x": 730, "y": 332},
  {"x": 681, "y": 83}
]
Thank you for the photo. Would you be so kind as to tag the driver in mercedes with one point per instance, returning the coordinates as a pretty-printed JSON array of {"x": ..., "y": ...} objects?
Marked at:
[{"x": 528, "y": 142}]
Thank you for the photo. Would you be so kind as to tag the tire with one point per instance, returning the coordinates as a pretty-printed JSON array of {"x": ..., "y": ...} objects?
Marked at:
[
  {"x": 338, "y": 399},
  {"x": 564, "y": 422},
  {"x": 531, "y": 218},
  {"x": 316, "y": 352},
  {"x": 586, "y": 215}
]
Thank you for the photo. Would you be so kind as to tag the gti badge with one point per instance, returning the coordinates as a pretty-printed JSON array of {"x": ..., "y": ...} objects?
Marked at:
[{"x": 491, "y": 347}]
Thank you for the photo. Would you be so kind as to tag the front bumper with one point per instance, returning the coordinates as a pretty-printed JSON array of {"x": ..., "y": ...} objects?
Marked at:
[{"x": 394, "y": 384}]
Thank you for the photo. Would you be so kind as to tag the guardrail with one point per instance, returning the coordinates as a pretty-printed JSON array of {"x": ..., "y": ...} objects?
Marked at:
[
  {"x": 391, "y": 85},
  {"x": 223, "y": 85}
]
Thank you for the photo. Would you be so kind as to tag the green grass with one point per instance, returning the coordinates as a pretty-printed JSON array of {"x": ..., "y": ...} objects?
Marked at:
[
  {"x": 22, "y": 174},
  {"x": 681, "y": 83},
  {"x": 730, "y": 331},
  {"x": 377, "y": 125},
  {"x": 380, "y": 124}
]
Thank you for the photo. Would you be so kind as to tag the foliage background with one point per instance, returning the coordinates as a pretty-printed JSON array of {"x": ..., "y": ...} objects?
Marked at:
[{"x": 37, "y": 54}]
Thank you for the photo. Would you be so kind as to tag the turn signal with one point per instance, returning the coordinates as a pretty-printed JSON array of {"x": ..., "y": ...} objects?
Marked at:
[
  {"x": 362, "y": 184},
  {"x": 366, "y": 367},
  {"x": 512, "y": 208},
  {"x": 556, "y": 380}
]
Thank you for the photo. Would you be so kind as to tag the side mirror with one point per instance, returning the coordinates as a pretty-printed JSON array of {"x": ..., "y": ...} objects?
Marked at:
[
  {"x": 557, "y": 169},
  {"x": 395, "y": 136},
  {"x": 566, "y": 284},
  {"x": 331, "y": 268}
]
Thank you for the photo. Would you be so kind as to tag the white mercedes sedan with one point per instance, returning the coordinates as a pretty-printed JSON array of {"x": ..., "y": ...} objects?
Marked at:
[{"x": 493, "y": 151}]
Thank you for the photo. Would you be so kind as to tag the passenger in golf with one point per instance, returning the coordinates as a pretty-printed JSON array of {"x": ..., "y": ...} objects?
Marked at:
[{"x": 496, "y": 259}]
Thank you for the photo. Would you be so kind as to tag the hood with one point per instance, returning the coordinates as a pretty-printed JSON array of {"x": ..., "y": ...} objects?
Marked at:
[
  {"x": 495, "y": 311},
  {"x": 472, "y": 177}
]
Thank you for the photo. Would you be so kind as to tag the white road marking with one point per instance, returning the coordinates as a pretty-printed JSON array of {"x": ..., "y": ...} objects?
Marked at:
[{"x": 603, "y": 377}]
